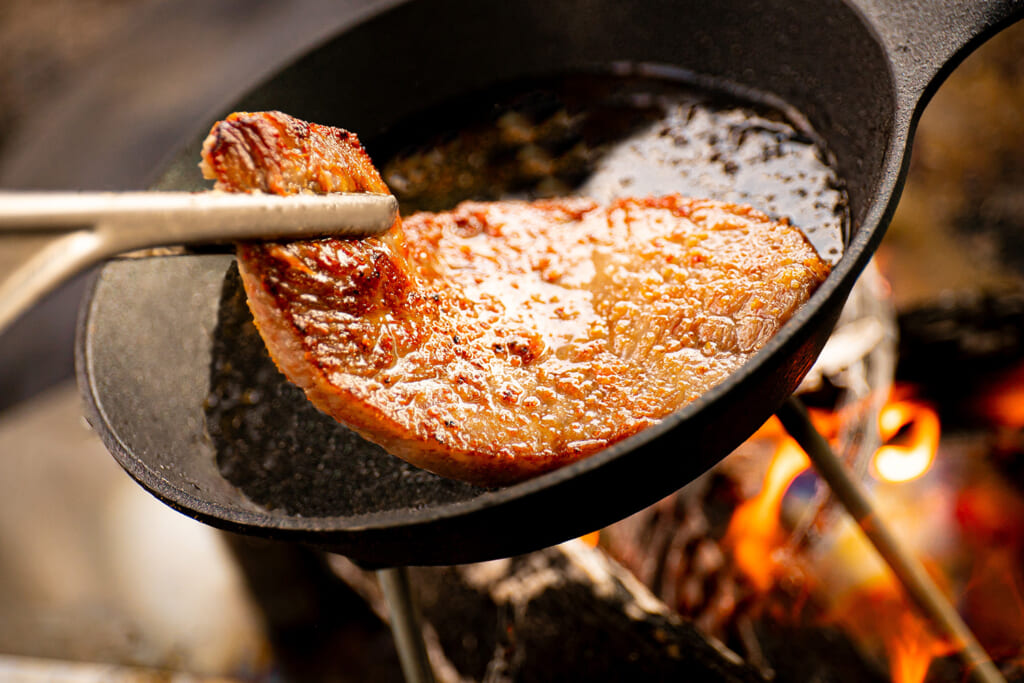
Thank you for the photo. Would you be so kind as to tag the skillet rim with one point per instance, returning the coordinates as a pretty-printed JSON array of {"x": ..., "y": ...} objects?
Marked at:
[{"x": 826, "y": 301}]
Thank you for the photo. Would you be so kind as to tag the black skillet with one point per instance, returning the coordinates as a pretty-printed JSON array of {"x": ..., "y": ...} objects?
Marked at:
[{"x": 175, "y": 380}]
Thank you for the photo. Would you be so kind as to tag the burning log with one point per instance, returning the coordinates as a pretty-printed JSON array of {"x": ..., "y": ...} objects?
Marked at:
[
  {"x": 681, "y": 548},
  {"x": 563, "y": 613}
]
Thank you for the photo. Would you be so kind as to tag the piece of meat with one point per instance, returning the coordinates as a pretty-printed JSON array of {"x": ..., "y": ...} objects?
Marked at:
[{"x": 501, "y": 340}]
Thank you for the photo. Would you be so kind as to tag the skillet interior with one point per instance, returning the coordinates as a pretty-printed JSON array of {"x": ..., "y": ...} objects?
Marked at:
[{"x": 149, "y": 333}]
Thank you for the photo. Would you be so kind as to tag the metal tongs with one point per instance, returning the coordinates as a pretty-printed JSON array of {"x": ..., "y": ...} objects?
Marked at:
[{"x": 53, "y": 236}]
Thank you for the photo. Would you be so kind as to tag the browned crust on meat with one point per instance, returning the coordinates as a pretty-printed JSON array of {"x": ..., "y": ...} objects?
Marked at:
[
  {"x": 277, "y": 153},
  {"x": 501, "y": 340}
]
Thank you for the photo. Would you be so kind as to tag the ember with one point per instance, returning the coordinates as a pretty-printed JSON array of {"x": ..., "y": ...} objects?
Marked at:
[{"x": 881, "y": 616}]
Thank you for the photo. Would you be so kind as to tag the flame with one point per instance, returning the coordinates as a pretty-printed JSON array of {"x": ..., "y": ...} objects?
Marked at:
[
  {"x": 880, "y": 616},
  {"x": 872, "y": 608},
  {"x": 862, "y": 596},
  {"x": 897, "y": 463},
  {"x": 755, "y": 533},
  {"x": 913, "y": 647},
  {"x": 877, "y": 610}
]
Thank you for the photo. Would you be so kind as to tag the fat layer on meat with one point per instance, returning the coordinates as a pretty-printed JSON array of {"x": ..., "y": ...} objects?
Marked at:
[{"x": 500, "y": 340}]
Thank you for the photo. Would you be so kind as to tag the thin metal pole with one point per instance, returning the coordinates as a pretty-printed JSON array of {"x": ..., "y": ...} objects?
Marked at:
[
  {"x": 405, "y": 625},
  {"x": 908, "y": 570}
]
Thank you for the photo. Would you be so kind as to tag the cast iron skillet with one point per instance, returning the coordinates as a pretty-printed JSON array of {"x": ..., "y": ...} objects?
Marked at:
[{"x": 155, "y": 333}]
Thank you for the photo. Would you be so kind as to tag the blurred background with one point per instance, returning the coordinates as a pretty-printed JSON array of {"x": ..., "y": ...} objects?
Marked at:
[
  {"x": 98, "y": 581},
  {"x": 98, "y": 95}
]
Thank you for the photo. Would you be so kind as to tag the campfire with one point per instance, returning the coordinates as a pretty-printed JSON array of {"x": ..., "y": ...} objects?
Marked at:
[
  {"x": 839, "y": 580},
  {"x": 757, "y": 555},
  {"x": 792, "y": 557},
  {"x": 800, "y": 562}
]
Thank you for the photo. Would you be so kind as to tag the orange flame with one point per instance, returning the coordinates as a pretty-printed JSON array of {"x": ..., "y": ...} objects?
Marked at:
[
  {"x": 912, "y": 649},
  {"x": 877, "y": 609},
  {"x": 874, "y": 609},
  {"x": 897, "y": 463},
  {"x": 880, "y": 615},
  {"x": 755, "y": 533}
]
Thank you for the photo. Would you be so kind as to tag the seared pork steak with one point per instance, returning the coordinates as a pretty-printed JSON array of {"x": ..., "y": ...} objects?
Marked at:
[{"x": 500, "y": 340}]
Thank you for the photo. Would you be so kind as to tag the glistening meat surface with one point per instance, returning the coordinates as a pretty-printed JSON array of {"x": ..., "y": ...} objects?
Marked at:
[{"x": 501, "y": 340}]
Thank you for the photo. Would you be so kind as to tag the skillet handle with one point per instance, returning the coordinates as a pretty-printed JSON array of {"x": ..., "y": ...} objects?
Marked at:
[{"x": 926, "y": 39}]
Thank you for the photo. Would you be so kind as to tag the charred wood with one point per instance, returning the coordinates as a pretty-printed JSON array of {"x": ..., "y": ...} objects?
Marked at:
[
  {"x": 676, "y": 548},
  {"x": 564, "y": 613}
]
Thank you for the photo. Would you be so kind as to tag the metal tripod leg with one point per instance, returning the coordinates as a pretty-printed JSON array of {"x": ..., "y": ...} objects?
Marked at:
[{"x": 405, "y": 625}]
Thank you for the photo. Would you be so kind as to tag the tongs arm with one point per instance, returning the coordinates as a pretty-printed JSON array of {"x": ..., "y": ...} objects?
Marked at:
[{"x": 72, "y": 231}]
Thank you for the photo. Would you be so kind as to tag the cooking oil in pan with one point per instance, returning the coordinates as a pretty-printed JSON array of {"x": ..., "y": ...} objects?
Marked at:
[{"x": 606, "y": 136}]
